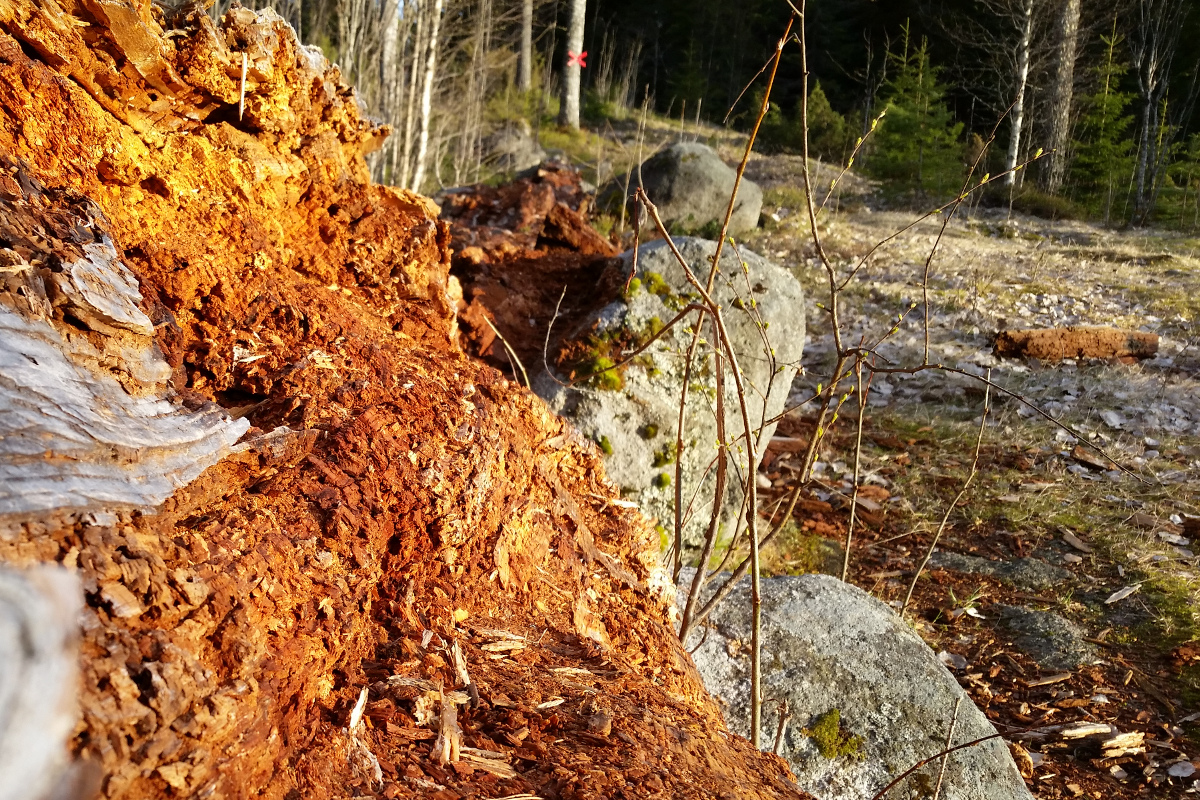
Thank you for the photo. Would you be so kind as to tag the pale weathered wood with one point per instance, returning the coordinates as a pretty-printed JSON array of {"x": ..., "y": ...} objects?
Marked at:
[
  {"x": 86, "y": 419},
  {"x": 39, "y": 673}
]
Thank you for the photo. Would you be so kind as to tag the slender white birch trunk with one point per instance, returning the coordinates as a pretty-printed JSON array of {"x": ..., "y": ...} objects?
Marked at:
[
  {"x": 1018, "y": 111},
  {"x": 569, "y": 114},
  {"x": 410, "y": 114},
  {"x": 525, "y": 68},
  {"x": 427, "y": 98}
]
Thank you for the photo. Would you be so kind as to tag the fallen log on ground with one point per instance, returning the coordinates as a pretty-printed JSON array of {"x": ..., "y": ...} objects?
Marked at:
[{"x": 1056, "y": 344}]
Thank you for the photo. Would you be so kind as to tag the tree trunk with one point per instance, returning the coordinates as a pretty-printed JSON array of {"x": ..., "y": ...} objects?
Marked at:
[
  {"x": 569, "y": 114},
  {"x": 1022, "y": 76},
  {"x": 410, "y": 113},
  {"x": 1152, "y": 45},
  {"x": 1064, "y": 88},
  {"x": 427, "y": 98},
  {"x": 390, "y": 89},
  {"x": 1146, "y": 156},
  {"x": 525, "y": 70}
]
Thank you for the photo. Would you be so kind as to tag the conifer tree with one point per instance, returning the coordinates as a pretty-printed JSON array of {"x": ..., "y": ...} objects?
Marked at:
[
  {"x": 916, "y": 149},
  {"x": 1104, "y": 150},
  {"x": 828, "y": 136}
]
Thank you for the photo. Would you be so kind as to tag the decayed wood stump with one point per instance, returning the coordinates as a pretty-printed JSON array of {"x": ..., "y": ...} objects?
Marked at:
[
  {"x": 86, "y": 427},
  {"x": 1055, "y": 344},
  {"x": 226, "y": 639}
]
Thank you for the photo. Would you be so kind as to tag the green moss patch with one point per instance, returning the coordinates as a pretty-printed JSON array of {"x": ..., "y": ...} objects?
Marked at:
[{"x": 831, "y": 740}]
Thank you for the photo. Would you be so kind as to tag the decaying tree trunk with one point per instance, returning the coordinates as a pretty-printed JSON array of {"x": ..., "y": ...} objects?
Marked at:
[
  {"x": 96, "y": 403},
  {"x": 572, "y": 66},
  {"x": 1063, "y": 96}
]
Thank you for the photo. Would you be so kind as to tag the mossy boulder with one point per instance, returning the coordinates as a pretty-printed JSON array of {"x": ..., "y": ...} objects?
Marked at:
[
  {"x": 639, "y": 414},
  {"x": 868, "y": 697}
]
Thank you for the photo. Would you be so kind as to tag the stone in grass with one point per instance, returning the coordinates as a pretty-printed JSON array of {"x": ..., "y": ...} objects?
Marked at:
[
  {"x": 690, "y": 185},
  {"x": 1051, "y": 640},
  {"x": 638, "y": 414},
  {"x": 862, "y": 687},
  {"x": 1030, "y": 574}
]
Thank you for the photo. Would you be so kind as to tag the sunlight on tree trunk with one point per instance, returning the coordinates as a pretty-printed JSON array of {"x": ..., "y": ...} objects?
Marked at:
[
  {"x": 1022, "y": 76},
  {"x": 1060, "y": 105},
  {"x": 427, "y": 98},
  {"x": 525, "y": 73},
  {"x": 569, "y": 115}
]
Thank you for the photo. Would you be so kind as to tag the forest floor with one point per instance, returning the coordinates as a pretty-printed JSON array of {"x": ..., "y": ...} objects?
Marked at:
[{"x": 1065, "y": 588}]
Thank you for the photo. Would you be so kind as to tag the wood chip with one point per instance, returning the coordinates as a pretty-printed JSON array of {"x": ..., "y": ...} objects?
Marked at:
[
  {"x": 447, "y": 749},
  {"x": 572, "y": 671},
  {"x": 460, "y": 665},
  {"x": 1076, "y": 542},
  {"x": 1084, "y": 730},
  {"x": 558, "y": 701},
  {"x": 1090, "y": 458},
  {"x": 124, "y": 604},
  {"x": 1121, "y": 594},
  {"x": 1144, "y": 521},
  {"x": 497, "y": 634},
  {"x": 502, "y": 647},
  {"x": 397, "y": 681},
  {"x": 787, "y": 444},
  {"x": 1049, "y": 679},
  {"x": 356, "y": 714}
]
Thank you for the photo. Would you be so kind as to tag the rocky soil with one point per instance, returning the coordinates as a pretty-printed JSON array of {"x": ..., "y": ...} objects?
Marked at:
[
  {"x": 409, "y": 579},
  {"x": 1065, "y": 587}
]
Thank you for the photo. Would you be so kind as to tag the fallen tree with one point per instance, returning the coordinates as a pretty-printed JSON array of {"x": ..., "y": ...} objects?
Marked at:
[{"x": 322, "y": 552}]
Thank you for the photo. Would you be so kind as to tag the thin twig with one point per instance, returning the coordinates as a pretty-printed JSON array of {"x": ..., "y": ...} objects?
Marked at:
[
  {"x": 512, "y": 354},
  {"x": 741, "y": 170},
  {"x": 546, "y": 341},
  {"x": 714, "y": 521},
  {"x": 974, "y": 742},
  {"x": 862, "y": 411},
  {"x": 785, "y": 714},
  {"x": 937, "y": 790},
  {"x": 751, "y": 491},
  {"x": 966, "y": 486}
]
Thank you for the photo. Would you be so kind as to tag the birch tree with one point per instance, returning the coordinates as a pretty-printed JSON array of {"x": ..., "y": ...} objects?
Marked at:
[
  {"x": 1002, "y": 45},
  {"x": 427, "y": 97},
  {"x": 1063, "y": 96},
  {"x": 410, "y": 105},
  {"x": 1153, "y": 41},
  {"x": 1021, "y": 80},
  {"x": 525, "y": 62},
  {"x": 573, "y": 65}
]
